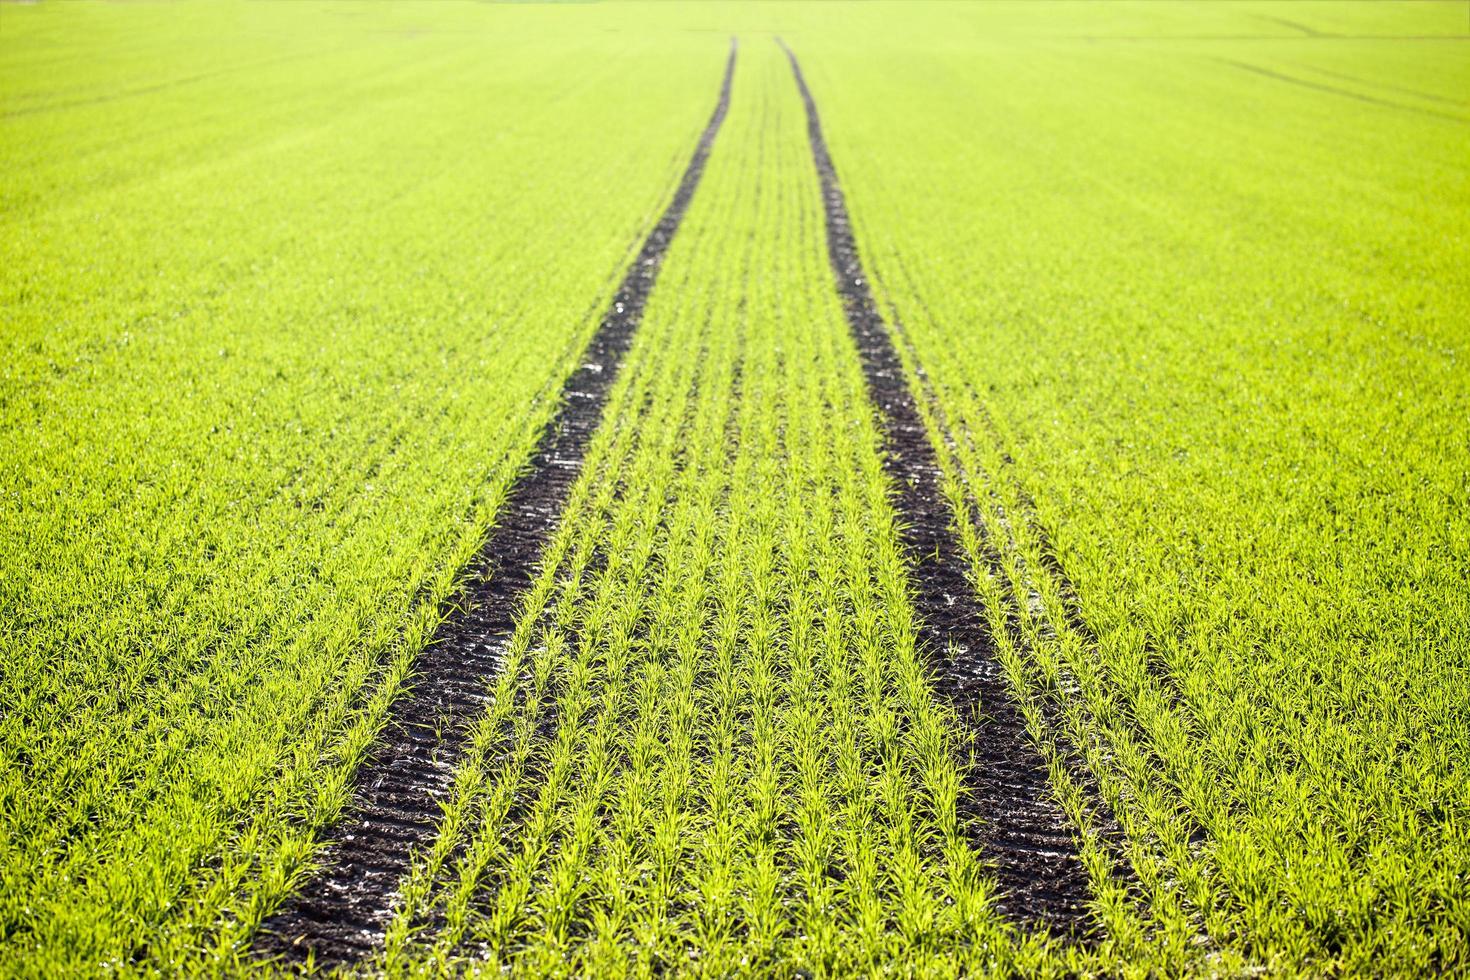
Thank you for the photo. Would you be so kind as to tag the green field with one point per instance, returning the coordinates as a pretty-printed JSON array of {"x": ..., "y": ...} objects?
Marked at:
[{"x": 289, "y": 292}]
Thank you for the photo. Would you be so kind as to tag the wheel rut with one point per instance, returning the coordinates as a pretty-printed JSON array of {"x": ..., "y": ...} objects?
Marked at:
[
  {"x": 341, "y": 914},
  {"x": 1021, "y": 830}
]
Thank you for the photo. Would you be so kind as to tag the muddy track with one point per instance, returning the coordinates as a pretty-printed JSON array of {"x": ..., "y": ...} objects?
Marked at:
[
  {"x": 341, "y": 915},
  {"x": 1022, "y": 831}
]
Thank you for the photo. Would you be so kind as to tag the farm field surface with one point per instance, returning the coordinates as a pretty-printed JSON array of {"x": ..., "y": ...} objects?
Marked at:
[{"x": 723, "y": 490}]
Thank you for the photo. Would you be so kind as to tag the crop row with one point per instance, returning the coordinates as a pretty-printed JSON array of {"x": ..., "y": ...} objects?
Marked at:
[{"x": 268, "y": 369}]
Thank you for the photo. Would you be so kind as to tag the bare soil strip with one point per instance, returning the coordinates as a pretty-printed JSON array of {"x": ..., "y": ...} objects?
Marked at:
[
  {"x": 342, "y": 914},
  {"x": 1020, "y": 828}
]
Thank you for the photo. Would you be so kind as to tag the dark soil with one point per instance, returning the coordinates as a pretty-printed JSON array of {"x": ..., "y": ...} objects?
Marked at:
[
  {"x": 1020, "y": 828},
  {"x": 341, "y": 914}
]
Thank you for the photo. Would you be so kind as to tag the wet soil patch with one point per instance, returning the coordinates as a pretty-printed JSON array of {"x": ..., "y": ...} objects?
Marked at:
[
  {"x": 341, "y": 914},
  {"x": 1017, "y": 823}
]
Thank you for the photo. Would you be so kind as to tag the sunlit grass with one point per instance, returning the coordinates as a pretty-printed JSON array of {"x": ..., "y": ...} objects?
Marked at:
[
  {"x": 1198, "y": 333},
  {"x": 285, "y": 294},
  {"x": 270, "y": 356}
]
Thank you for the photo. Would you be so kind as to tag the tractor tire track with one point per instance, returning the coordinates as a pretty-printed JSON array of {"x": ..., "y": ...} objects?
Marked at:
[
  {"x": 1021, "y": 830},
  {"x": 341, "y": 914},
  {"x": 1338, "y": 90}
]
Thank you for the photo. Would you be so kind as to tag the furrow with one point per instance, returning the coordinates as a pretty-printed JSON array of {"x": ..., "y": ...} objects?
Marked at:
[
  {"x": 343, "y": 913},
  {"x": 1021, "y": 828}
]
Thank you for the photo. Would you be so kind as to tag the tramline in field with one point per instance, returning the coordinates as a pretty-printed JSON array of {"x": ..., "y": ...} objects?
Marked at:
[
  {"x": 395, "y": 810},
  {"x": 987, "y": 499}
]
